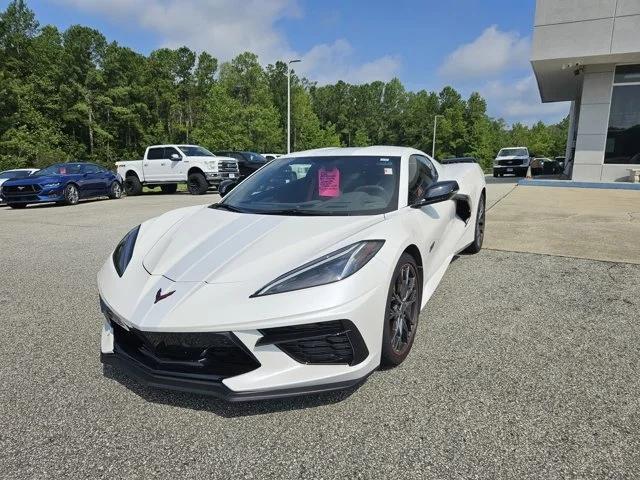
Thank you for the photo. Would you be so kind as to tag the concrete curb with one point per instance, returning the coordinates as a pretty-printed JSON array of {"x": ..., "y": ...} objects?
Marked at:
[{"x": 572, "y": 184}]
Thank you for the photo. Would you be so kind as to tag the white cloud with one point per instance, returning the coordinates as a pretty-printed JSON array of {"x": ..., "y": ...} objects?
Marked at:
[
  {"x": 327, "y": 63},
  {"x": 491, "y": 53},
  {"x": 226, "y": 28},
  {"x": 520, "y": 101}
]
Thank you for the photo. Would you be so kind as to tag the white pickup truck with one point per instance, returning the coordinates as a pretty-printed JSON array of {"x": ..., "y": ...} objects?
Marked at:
[{"x": 165, "y": 166}]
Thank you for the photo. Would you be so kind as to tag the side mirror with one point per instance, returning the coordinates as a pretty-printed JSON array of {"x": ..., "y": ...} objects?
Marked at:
[
  {"x": 175, "y": 157},
  {"x": 226, "y": 186},
  {"x": 438, "y": 192}
]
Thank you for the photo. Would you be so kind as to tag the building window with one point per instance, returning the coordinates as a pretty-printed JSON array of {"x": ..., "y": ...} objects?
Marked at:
[{"x": 623, "y": 136}]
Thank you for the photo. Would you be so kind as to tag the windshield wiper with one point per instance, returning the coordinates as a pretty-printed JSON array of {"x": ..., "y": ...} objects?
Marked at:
[
  {"x": 292, "y": 211},
  {"x": 224, "y": 206}
]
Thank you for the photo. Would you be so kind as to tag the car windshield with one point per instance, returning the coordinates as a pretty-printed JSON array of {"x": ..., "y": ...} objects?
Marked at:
[
  {"x": 191, "y": 151},
  {"x": 59, "y": 169},
  {"x": 15, "y": 174},
  {"x": 324, "y": 186},
  {"x": 513, "y": 152},
  {"x": 255, "y": 157}
]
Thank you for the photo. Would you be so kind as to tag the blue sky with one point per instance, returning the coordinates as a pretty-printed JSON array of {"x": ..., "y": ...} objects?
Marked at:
[{"x": 472, "y": 45}]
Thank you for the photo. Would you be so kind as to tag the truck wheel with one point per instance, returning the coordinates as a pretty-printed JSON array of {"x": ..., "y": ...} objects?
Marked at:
[
  {"x": 197, "y": 184},
  {"x": 169, "y": 188},
  {"x": 132, "y": 185}
]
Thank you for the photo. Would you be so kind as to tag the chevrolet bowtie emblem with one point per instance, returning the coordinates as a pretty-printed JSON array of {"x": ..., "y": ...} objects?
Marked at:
[
  {"x": 162, "y": 296},
  {"x": 21, "y": 188}
]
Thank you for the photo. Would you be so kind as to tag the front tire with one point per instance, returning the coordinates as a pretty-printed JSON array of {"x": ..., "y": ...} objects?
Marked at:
[
  {"x": 115, "y": 191},
  {"x": 132, "y": 186},
  {"x": 71, "y": 194},
  {"x": 478, "y": 237},
  {"x": 402, "y": 312},
  {"x": 169, "y": 188},
  {"x": 197, "y": 184}
]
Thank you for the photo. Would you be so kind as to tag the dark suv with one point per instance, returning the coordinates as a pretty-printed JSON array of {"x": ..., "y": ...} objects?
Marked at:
[{"x": 248, "y": 162}]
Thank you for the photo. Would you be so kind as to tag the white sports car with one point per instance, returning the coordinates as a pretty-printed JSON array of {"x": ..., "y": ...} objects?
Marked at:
[{"x": 305, "y": 278}]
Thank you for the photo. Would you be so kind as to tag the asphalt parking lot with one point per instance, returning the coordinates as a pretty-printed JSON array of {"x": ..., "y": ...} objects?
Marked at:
[{"x": 525, "y": 366}]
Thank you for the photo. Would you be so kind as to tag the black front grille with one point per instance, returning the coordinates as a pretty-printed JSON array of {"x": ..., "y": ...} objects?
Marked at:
[
  {"x": 22, "y": 189},
  {"x": 227, "y": 167},
  {"x": 210, "y": 354},
  {"x": 218, "y": 354},
  {"x": 510, "y": 162},
  {"x": 334, "y": 342}
]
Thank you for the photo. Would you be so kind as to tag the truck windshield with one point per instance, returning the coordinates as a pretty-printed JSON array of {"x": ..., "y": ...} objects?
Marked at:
[
  {"x": 324, "y": 186},
  {"x": 193, "y": 151},
  {"x": 513, "y": 152}
]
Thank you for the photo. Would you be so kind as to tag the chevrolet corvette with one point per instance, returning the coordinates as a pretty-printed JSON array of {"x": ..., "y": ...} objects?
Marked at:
[{"x": 306, "y": 277}]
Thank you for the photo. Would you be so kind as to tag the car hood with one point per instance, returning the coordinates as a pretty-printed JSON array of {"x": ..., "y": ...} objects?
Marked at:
[
  {"x": 34, "y": 180},
  {"x": 512, "y": 157},
  {"x": 217, "y": 246}
]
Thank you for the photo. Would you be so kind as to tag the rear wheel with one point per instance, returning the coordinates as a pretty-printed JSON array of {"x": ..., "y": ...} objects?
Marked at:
[
  {"x": 115, "y": 191},
  {"x": 17, "y": 205},
  {"x": 132, "y": 185},
  {"x": 197, "y": 183},
  {"x": 478, "y": 237},
  {"x": 169, "y": 188},
  {"x": 71, "y": 194},
  {"x": 401, "y": 313}
]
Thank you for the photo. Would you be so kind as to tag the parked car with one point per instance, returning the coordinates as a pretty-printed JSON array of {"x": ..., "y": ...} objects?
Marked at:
[
  {"x": 513, "y": 160},
  {"x": 355, "y": 249},
  {"x": 248, "y": 162},
  {"x": 448, "y": 161},
  {"x": 166, "y": 166},
  {"x": 64, "y": 183},
  {"x": 271, "y": 156},
  {"x": 545, "y": 166},
  {"x": 15, "y": 173}
]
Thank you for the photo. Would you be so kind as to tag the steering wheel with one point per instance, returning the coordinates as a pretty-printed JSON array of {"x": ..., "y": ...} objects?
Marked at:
[{"x": 373, "y": 190}]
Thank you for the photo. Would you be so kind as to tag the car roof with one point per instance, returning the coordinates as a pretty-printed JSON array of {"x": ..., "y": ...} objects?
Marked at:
[{"x": 376, "y": 150}]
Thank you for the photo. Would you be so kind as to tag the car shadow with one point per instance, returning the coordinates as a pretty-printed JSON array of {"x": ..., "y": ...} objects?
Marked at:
[{"x": 224, "y": 408}]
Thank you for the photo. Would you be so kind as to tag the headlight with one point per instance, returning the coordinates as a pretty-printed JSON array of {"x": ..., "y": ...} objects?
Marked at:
[
  {"x": 331, "y": 268},
  {"x": 123, "y": 252},
  {"x": 51, "y": 185},
  {"x": 212, "y": 166}
]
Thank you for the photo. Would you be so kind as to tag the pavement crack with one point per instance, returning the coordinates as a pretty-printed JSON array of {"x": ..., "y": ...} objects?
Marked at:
[{"x": 502, "y": 198}]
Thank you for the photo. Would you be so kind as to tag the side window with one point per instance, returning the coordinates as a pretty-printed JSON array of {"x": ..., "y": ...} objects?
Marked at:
[
  {"x": 89, "y": 169},
  {"x": 422, "y": 173},
  {"x": 168, "y": 151},
  {"x": 155, "y": 153},
  {"x": 238, "y": 156}
]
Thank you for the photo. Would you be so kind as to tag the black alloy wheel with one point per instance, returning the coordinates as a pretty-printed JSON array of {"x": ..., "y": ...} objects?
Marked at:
[
  {"x": 402, "y": 312},
  {"x": 197, "y": 184}
]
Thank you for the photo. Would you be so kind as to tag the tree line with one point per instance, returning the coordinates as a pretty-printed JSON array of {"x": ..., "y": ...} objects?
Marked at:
[{"x": 73, "y": 95}]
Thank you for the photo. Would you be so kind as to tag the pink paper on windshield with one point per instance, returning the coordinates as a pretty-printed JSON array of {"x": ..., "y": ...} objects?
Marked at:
[{"x": 329, "y": 182}]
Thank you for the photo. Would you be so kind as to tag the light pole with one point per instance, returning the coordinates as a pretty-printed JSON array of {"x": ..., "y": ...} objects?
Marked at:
[
  {"x": 435, "y": 126},
  {"x": 289, "y": 104}
]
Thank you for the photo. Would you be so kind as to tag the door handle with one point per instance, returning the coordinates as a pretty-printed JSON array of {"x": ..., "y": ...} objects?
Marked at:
[
  {"x": 162, "y": 164},
  {"x": 145, "y": 164}
]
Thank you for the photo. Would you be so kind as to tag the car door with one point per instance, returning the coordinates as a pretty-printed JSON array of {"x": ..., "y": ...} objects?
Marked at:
[
  {"x": 174, "y": 170},
  {"x": 91, "y": 181},
  {"x": 433, "y": 220},
  {"x": 154, "y": 165}
]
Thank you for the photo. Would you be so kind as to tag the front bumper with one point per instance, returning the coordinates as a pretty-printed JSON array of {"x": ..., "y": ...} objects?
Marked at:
[
  {"x": 216, "y": 178},
  {"x": 262, "y": 326},
  {"x": 516, "y": 169},
  {"x": 32, "y": 197}
]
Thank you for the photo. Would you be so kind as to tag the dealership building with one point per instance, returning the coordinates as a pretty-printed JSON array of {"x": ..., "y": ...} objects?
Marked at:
[{"x": 588, "y": 52}]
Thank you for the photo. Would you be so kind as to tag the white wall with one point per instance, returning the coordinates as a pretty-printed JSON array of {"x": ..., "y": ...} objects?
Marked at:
[{"x": 593, "y": 122}]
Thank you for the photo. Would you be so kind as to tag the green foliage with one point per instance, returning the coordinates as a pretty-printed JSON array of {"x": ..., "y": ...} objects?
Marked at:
[{"x": 73, "y": 95}]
